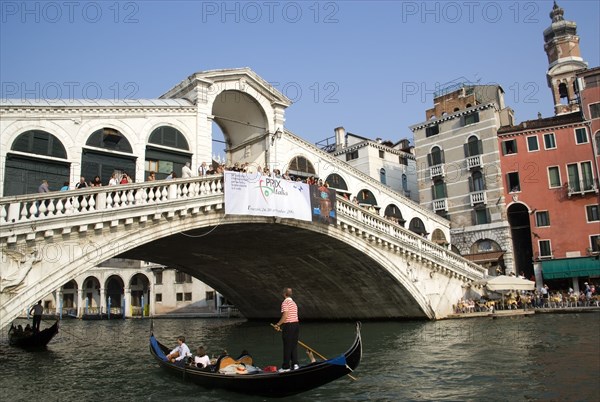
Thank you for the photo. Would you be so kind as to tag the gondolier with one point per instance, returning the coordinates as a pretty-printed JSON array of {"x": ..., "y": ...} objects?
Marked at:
[
  {"x": 37, "y": 315},
  {"x": 290, "y": 327}
]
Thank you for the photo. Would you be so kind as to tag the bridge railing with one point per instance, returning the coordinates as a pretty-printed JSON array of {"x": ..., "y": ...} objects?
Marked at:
[
  {"x": 33, "y": 207},
  {"x": 409, "y": 240}
]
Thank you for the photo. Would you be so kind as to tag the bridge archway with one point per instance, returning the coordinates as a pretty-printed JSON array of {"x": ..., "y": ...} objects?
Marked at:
[{"x": 241, "y": 118}]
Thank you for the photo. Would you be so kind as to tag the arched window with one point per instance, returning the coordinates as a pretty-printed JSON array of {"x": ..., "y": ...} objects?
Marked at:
[
  {"x": 404, "y": 182},
  {"x": 436, "y": 157},
  {"x": 439, "y": 237},
  {"x": 366, "y": 197},
  {"x": 393, "y": 212},
  {"x": 473, "y": 146},
  {"x": 597, "y": 137},
  {"x": 562, "y": 91},
  {"x": 337, "y": 182},
  {"x": 27, "y": 164},
  {"x": 484, "y": 245},
  {"x": 416, "y": 225},
  {"x": 169, "y": 137},
  {"x": 109, "y": 138},
  {"x": 300, "y": 166},
  {"x": 40, "y": 143},
  {"x": 382, "y": 178}
]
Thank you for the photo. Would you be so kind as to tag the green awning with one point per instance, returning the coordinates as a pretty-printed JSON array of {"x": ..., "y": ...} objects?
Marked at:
[{"x": 571, "y": 268}]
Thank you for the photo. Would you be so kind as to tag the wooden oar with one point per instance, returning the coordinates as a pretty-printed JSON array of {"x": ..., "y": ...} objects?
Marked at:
[{"x": 305, "y": 346}]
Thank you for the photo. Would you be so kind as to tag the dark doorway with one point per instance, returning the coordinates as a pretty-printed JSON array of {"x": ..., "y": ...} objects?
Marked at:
[{"x": 518, "y": 219}]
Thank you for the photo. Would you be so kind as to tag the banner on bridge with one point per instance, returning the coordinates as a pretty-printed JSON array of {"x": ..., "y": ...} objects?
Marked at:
[{"x": 254, "y": 194}]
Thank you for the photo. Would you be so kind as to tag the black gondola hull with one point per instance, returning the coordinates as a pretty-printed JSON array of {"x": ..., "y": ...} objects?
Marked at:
[
  {"x": 38, "y": 340},
  {"x": 271, "y": 384}
]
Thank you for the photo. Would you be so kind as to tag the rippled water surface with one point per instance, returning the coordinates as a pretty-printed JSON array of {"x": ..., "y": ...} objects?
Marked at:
[{"x": 541, "y": 357}]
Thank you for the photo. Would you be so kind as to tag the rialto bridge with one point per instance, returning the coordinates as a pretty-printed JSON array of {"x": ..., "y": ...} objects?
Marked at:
[{"x": 364, "y": 266}]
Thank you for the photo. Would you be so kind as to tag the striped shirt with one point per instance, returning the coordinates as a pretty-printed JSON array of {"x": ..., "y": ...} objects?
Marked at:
[{"x": 292, "y": 310}]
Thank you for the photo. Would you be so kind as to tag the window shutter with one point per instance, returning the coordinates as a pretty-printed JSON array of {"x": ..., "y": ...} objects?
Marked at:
[
  {"x": 471, "y": 185},
  {"x": 466, "y": 148},
  {"x": 429, "y": 160},
  {"x": 442, "y": 157},
  {"x": 480, "y": 147}
]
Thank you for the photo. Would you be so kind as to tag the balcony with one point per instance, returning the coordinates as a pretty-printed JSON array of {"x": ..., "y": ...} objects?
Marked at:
[
  {"x": 474, "y": 162},
  {"x": 478, "y": 197},
  {"x": 440, "y": 205},
  {"x": 437, "y": 171}
]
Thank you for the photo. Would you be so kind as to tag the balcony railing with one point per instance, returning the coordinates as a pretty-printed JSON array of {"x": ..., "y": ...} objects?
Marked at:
[
  {"x": 437, "y": 170},
  {"x": 478, "y": 197},
  {"x": 440, "y": 205},
  {"x": 474, "y": 162}
]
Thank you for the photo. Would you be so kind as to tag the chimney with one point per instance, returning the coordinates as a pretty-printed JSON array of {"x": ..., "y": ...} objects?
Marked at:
[
  {"x": 539, "y": 115},
  {"x": 340, "y": 138}
]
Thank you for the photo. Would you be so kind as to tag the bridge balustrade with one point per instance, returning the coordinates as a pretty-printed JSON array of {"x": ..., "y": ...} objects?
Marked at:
[{"x": 35, "y": 207}]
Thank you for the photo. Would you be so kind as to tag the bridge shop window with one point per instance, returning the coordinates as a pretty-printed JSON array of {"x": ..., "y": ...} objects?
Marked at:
[
  {"x": 417, "y": 226},
  {"x": 299, "y": 166},
  {"x": 365, "y": 197},
  {"x": 167, "y": 150},
  {"x": 337, "y": 182},
  {"x": 393, "y": 213},
  {"x": 34, "y": 156},
  {"x": 107, "y": 151}
]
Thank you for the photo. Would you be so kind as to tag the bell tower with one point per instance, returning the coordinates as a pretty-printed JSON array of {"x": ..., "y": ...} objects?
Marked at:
[{"x": 561, "y": 44}]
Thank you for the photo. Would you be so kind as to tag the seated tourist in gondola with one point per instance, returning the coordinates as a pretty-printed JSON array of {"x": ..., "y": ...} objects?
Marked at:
[
  {"x": 201, "y": 360},
  {"x": 180, "y": 353}
]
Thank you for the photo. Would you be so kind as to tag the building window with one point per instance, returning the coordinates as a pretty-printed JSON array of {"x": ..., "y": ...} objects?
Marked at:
[
  {"x": 382, "y": 178},
  {"x": 593, "y": 215},
  {"x": 597, "y": 136},
  {"x": 432, "y": 130},
  {"x": 509, "y": 147},
  {"x": 158, "y": 278},
  {"x": 595, "y": 110},
  {"x": 473, "y": 147},
  {"x": 532, "y": 143},
  {"x": 542, "y": 218},
  {"x": 436, "y": 157},
  {"x": 580, "y": 176},
  {"x": 545, "y": 249},
  {"x": 438, "y": 190},
  {"x": 471, "y": 118},
  {"x": 481, "y": 216},
  {"x": 512, "y": 182},
  {"x": 352, "y": 155},
  {"x": 210, "y": 295},
  {"x": 554, "y": 176},
  {"x": 381, "y": 154},
  {"x": 581, "y": 135},
  {"x": 549, "y": 141},
  {"x": 595, "y": 243},
  {"x": 158, "y": 297},
  {"x": 403, "y": 160},
  {"x": 179, "y": 297},
  {"x": 182, "y": 277},
  {"x": 187, "y": 296},
  {"x": 476, "y": 182}
]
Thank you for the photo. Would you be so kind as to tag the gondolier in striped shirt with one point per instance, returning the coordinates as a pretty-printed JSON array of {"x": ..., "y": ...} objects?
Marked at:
[{"x": 290, "y": 327}]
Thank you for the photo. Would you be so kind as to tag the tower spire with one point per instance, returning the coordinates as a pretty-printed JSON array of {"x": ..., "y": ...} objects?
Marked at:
[{"x": 561, "y": 44}]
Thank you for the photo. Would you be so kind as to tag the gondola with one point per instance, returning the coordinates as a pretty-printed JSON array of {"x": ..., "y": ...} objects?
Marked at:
[
  {"x": 270, "y": 384},
  {"x": 37, "y": 340}
]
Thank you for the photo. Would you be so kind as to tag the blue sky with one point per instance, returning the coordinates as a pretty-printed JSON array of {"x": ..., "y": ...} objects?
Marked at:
[{"x": 368, "y": 66}]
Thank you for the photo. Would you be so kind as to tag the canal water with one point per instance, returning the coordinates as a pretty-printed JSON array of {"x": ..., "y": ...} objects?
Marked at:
[{"x": 541, "y": 357}]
